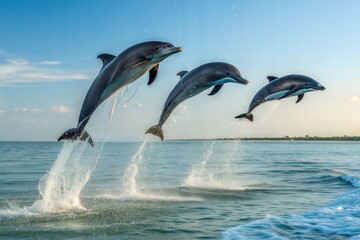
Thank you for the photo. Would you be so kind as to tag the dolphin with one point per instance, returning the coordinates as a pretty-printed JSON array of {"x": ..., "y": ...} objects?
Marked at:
[
  {"x": 283, "y": 87},
  {"x": 214, "y": 74},
  {"x": 116, "y": 73}
]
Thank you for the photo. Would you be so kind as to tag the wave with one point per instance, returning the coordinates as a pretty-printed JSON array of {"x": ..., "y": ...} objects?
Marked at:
[
  {"x": 338, "y": 219},
  {"x": 352, "y": 179}
]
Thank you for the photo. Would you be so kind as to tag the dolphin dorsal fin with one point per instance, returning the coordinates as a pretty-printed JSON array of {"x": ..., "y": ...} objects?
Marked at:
[
  {"x": 106, "y": 59},
  {"x": 182, "y": 73},
  {"x": 272, "y": 78}
]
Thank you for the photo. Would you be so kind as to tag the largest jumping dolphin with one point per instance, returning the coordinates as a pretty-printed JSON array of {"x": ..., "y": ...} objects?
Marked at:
[
  {"x": 118, "y": 72},
  {"x": 283, "y": 87},
  {"x": 214, "y": 74}
]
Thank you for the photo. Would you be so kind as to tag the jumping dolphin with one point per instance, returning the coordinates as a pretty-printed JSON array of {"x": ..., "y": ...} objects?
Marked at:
[
  {"x": 192, "y": 83},
  {"x": 283, "y": 87},
  {"x": 118, "y": 72}
]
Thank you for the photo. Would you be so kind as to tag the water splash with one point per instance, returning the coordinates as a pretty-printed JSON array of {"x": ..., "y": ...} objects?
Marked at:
[
  {"x": 129, "y": 183},
  {"x": 130, "y": 189},
  {"x": 199, "y": 175},
  {"x": 202, "y": 177},
  {"x": 61, "y": 187}
]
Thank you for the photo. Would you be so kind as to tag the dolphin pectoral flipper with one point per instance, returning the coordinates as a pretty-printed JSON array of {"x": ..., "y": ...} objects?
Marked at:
[
  {"x": 291, "y": 91},
  {"x": 106, "y": 59},
  {"x": 153, "y": 73},
  {"x": 216, "y": 89},
  {"x": 300, "y": 97}
]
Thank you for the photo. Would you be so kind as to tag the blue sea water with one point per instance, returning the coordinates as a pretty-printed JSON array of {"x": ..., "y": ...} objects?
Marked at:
[{"x": 180, "y": 190}]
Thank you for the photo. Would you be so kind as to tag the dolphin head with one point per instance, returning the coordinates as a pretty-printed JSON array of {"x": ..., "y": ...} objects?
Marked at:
[
  {"x": 158, "y": 51},
  {"x": 225, "y": 73},
  {"x": 310, "y": 84}
]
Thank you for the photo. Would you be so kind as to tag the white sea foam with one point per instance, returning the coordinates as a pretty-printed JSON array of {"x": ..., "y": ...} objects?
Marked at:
[
  {"x": 12, "y": 210},
  {"x": 340, "y": 218}
]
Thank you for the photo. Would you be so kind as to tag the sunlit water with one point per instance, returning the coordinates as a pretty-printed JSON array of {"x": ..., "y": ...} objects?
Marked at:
[{"x": 180, "y": 190}]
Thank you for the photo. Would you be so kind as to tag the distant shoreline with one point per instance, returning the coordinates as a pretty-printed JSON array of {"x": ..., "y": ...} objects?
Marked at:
[{"x": 286, "y": 138}]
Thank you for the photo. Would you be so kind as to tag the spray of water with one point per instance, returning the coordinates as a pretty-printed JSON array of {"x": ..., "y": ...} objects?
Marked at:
[
  {"x": 129, "y": 182},
  {"x": 61, "y": 187},
  {"x": 202, "y": 177},
  {"x": 130, "y": 189}
]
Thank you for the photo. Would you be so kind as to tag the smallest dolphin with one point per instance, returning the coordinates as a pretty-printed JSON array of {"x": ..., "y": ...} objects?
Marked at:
[
  {"x": 214, "y": 74},
  {"x": 283, "y": 87}
]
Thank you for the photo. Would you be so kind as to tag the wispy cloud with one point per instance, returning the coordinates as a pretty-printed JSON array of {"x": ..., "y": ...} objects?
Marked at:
[
  {"x": 36, "y": 110},
  {"x": 18, "y": 70},
  {"x": 60, "y": 109},
  {"x": 21, "y": 110},
  {"x": 352, "y": 99},
  {"x": 56, "y": 109},
  {"x": 50, "y": 63}
]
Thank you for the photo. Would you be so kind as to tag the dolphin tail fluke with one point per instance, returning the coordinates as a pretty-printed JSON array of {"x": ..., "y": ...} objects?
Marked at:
[
  {"x": 248, "y": 116},
  {"x": 156, "y": 131},
  {"x": 76, "y": 134}
]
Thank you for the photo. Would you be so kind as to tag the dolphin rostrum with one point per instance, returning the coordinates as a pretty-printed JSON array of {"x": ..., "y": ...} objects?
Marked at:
[
  {"x": 283, "y": 87},
  {"x": 214, "y": 74},
  {"x": 118, "y": 72}
]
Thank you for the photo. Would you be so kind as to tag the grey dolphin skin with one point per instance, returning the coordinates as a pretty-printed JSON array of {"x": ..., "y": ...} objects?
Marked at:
[
  {"x": 192, "y": 83},
  {"x": 283, "y": 87},
  {"x": 118, "y": 72}
]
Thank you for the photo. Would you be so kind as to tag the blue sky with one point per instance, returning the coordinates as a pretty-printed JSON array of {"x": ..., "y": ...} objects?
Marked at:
[{"x": 48, "y": 60}]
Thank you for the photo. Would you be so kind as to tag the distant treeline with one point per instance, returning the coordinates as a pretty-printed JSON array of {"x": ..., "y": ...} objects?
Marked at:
[
  {"x": 306, "y": 138},
  {"x": 285, "y": 138}
]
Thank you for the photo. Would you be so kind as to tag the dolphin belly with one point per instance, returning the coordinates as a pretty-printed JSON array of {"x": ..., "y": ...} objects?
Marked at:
[
  {"x": 223, "y": 81},
  {"x": 187, "y": 93},
  {"x": 275, "y": 96},
  {"x": 280, "y": 94},
  {"x": 123, "y": 80},
  {"x": 302, "y": 91}
]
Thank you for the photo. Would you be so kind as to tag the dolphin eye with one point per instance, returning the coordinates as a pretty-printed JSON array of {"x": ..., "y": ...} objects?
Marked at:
[
  {"x": 227, "y": 74},
  {"x": 157, "y": 48}
]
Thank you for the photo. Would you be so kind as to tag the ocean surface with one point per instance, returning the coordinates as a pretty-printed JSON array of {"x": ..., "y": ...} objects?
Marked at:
[{"x": 180, "y": 190}]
